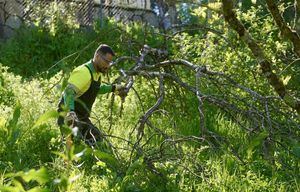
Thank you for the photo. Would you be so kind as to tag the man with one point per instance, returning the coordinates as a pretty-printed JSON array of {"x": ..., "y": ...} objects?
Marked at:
[{"x": 83, "y": 86}]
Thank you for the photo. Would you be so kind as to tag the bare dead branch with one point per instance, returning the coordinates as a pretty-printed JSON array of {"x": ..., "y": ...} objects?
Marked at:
[
  {"x": 254, "y": 110},
  {"x": 145, "y": 117},
  {"x": 200, "y": 102}
]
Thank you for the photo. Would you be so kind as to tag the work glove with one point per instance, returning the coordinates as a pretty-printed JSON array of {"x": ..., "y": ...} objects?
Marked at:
[
  {"x": 119, "y": 87},
  {"x": 70, "y": 118},
  {"x": 121, "y": 90}
]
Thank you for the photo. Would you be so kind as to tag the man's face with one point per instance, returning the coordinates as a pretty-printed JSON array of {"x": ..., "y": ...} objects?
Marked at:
[{"x": 104, "y": 61}]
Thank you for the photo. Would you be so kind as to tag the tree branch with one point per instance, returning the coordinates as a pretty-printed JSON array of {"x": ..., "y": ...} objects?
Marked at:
[
  {"x": 286, "y": 31},
  {"x": 265, "y": 64}
]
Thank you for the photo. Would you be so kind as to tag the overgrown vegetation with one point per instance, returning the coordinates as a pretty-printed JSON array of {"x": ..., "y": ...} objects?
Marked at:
[{"x": 247, "y": 140}]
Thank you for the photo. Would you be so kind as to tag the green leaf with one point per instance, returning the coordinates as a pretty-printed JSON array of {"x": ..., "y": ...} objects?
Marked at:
[
  {"x": 62, "y": 155},
  {"x": 69, "y": 156},
  {"x": 107, "y": 158},
  {"x": 2, "y": 122},
  {"x": 63, "y": 183},
  {"x": 38, "y": 189},
  {"x": 135, "y": 165},
  {"x": 43, "y": 118},
  {"x": 296, "y": 150},
  {"x": 41, "y": 175},
  {"x": 12, "y": 128},
  {"x": 101, "y": 164},
  {"x": 257, "y": 141},
  {"x": 17, "y": 113},
  {"x": 8, "y": 189},
  {"x": 74, "y": 178},
  {"x": 215, "y": 6},
  {"x": 286, "y": 80},
  {"x": 81, "y": 153}
]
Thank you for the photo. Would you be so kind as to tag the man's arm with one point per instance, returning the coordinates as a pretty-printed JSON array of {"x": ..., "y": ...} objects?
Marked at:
[
  {"x": 77, "y": 83},
  {"x": 69, "y": 96},
  {"x": 107, "y": 88}
]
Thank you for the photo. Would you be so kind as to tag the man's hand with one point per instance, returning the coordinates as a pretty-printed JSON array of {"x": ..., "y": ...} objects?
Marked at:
[
  {"x": 70, "y": 118},
  {"x": 121, "y": 90},
  {"x": 119, "y": 87}
]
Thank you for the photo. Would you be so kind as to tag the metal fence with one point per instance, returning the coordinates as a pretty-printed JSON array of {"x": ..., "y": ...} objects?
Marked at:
[{"x": 14, "y": 12}]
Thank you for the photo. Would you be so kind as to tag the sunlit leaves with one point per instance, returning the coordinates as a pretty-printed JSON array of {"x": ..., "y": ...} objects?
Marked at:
[
  {"x": 43, "y": 118},
  {"x": 21, "y": 179}
]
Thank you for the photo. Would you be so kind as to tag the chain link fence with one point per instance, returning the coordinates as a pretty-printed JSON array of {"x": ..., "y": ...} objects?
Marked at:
[{"x": 15, "y": 12}]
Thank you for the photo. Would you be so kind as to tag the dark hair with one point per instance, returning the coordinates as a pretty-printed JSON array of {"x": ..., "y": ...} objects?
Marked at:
[{"x": 104, "y": 49}]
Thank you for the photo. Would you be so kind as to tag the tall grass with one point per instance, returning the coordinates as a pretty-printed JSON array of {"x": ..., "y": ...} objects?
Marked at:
[{"x": 32, "y": 155}]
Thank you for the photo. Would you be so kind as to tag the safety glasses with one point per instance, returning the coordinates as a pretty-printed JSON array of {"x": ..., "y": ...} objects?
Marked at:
[{"x": 106, "y": 60}]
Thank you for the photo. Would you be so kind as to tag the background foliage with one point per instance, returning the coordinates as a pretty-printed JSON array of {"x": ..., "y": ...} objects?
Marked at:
[{"x": 36, "y": 62}]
